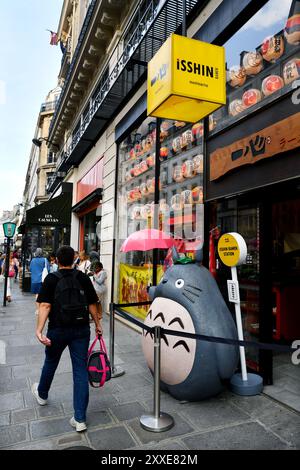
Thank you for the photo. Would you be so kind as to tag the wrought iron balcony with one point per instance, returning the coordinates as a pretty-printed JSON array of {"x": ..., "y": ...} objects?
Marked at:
[
  {"x": 128, "y": 65},
  {"x": 54, "y": 181},
  {"x": 66, "y": 59},
  {"x": 48, "y": 106}
]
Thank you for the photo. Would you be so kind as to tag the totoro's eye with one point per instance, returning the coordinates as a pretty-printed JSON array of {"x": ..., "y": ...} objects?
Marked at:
[{"x": 179, "y": 283}]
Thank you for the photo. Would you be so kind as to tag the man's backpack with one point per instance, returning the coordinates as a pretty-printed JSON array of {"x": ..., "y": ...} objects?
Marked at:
[{"x": 70, "y": 301}]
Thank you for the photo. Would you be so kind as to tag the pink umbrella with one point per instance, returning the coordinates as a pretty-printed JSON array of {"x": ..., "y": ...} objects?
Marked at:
[{"x": 147, "y": 239}]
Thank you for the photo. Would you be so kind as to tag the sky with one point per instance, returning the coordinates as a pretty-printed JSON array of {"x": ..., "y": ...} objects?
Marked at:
[
  {"x": 29, "y": 67},
  {"x": 269, "y": 20}
]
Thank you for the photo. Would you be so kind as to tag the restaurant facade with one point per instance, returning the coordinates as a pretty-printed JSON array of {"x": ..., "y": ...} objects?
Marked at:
[{"x": 237, "y": 170}]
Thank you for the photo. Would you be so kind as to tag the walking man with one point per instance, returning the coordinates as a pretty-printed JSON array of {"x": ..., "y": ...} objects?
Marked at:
[{"x": 66, "y": 299}]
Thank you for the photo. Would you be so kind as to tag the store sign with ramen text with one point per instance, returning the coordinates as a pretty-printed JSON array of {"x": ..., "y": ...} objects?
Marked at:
[
  {"x": 186, "y": 79},
  {"x": 268, "y": 142}
]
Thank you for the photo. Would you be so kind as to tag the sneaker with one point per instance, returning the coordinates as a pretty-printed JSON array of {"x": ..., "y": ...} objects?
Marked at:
[
  {"x": 34, "y": 390},
  {"x": 79, "y": 426}
]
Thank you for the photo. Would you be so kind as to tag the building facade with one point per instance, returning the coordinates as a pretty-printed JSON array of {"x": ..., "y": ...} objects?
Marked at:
[{"x": 237, "y": 170}]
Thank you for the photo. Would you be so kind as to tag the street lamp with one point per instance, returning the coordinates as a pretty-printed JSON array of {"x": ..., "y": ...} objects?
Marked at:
[
  {"x": 38, "y": 142},
  {"x": 9, "y": 229}
]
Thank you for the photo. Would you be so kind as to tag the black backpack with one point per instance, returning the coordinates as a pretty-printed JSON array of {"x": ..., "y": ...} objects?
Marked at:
[{"x": 70, "y": 302}]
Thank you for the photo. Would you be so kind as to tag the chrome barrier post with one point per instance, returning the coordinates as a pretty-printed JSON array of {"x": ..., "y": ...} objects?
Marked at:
[
  {"x": 158, "y": 421},
  {"x": 116, "y": 371}
]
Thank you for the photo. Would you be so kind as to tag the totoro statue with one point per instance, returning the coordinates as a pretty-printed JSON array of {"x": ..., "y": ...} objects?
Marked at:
[{"x": 188, "y": 299}]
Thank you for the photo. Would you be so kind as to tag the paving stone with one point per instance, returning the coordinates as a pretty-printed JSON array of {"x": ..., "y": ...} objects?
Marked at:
[
  {"x": 18, "y": 340},
  {"x": 128, "y": 411},
  {"x": 134, "y": 381},
  {"x": 50, "y": 427},
  {"x": 63, "y": 379},
  {"x": 180, "y": 428},
  {"x": 21, "y": 416},
  {"x": 13, "y": 359},
  {"x": 136, "y": 394},
  {"x": 25, "y": 370},
  {"x": 100, "y": 404},
  {"x": 49, "y": 410},
  {"x": 11, "y": 401},
  {"x": 254, "y": 406},
  {"x": 47, "y": 444},
  {"x": 13, "y": 385},
  {"x": 212, "y": 413},
  {"x": 98, "y": 418},
  {"x": 5, "y": 373},
  {"x": 114, "y": 438},
  {"x": 4, "y": 419},
  {"x": 289, "y": 398},
  {"x": 172, "y": 445},
  {"x": 284, "y": 423},
  {"x": 7, "y": 329},
  {"x": 12, "y": 435},
  {"x": 25, "y": 350},
  {"x": 247, "y": 436},
  {"x": 75, "y": 437}
]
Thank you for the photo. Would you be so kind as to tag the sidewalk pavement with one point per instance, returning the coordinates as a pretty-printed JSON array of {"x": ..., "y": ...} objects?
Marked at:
[{"x": 224, "y": 422}]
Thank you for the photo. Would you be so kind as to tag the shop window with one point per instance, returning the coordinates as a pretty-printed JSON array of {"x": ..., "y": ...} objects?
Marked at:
[
  {"x": 179, "y": 211},
  {"x": 90, "y": 227},
  {"x": 263, "y": 61}
]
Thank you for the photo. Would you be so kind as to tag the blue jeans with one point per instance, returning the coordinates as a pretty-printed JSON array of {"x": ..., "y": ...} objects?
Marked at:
[{"x": 77, "y": 339}]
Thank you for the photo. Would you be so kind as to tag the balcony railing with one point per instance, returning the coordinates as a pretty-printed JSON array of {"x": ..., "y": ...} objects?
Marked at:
[
  {"x": 48, "y": 106},
  {"x": 83, "y": 31},
  {"x": 130, "y": 63}
]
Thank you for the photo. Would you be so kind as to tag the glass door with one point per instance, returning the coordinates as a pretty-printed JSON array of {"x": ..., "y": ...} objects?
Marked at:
[{"x": 232, "y": 215}]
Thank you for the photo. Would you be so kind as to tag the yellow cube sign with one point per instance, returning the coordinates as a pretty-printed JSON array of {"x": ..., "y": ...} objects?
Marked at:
[{"x": 186, "y": 79}]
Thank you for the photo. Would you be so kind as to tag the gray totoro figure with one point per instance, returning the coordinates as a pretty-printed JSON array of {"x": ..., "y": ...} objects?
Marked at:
[{"x": 188, "y": 299}]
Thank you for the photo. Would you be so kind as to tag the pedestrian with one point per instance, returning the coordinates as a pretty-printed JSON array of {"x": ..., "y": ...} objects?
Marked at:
[
  {"x": 11, "y": 275},
  {"x": 52, "y": 262},
  {"x": 36, "y": 267},
  {"x": 94, "y": 258},
  {"x": 68, "y": 326},
  {"x": 16, "y": 264},
  {"x": 76, "y": 259},
  {"x": 99, "y": 280},
  {"x": 2, "y": 258},
  {"x": 84, "y": 264}
]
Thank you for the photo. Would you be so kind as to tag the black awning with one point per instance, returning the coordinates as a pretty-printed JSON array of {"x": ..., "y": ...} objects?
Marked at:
[
  {"x": 56, "y": 211},
  {"x": 84, "y": 203}
]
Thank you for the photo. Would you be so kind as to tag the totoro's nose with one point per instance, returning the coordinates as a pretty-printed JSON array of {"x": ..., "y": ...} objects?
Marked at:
[{"x": 164, "y": 281}]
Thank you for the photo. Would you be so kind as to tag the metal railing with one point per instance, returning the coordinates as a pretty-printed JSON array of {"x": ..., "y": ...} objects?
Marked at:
[
  {"x": 122, "y": 56},
  {"x": 83, "y": 31},
  {"x": 48, "y": 106},
  {"x": 154, "y": 23}
]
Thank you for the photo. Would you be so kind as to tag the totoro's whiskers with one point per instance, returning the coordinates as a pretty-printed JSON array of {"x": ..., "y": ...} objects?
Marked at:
[
  {"x": 191, "y": 292},
  {"x": 188, "y": 297},
  {"x": 194, "y": 287}
]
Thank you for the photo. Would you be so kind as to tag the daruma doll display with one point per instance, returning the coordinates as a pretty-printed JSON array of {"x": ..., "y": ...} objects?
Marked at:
[
  {"x": 272, "y": 48},
  {"x": 251, "y": 97},
  {"x": 292, "y": 27},
  {"x": 236, "y": 76},
  {"x": 291, "y": 70},
  {"x": 236, "y": 107},
  {"x": 272, "y": 84},
  {"x": 253, "y": 63}
]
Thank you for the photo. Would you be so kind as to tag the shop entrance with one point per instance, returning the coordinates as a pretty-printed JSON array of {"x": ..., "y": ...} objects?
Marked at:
[
  {"x": 285, "y": 298},
  {"x": 269, "y": 221}
]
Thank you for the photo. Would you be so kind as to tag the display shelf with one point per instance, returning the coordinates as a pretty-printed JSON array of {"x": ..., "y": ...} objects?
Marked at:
[
  {"x": 224, "y": 119},
  {"x": 171, "y": 160}
]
